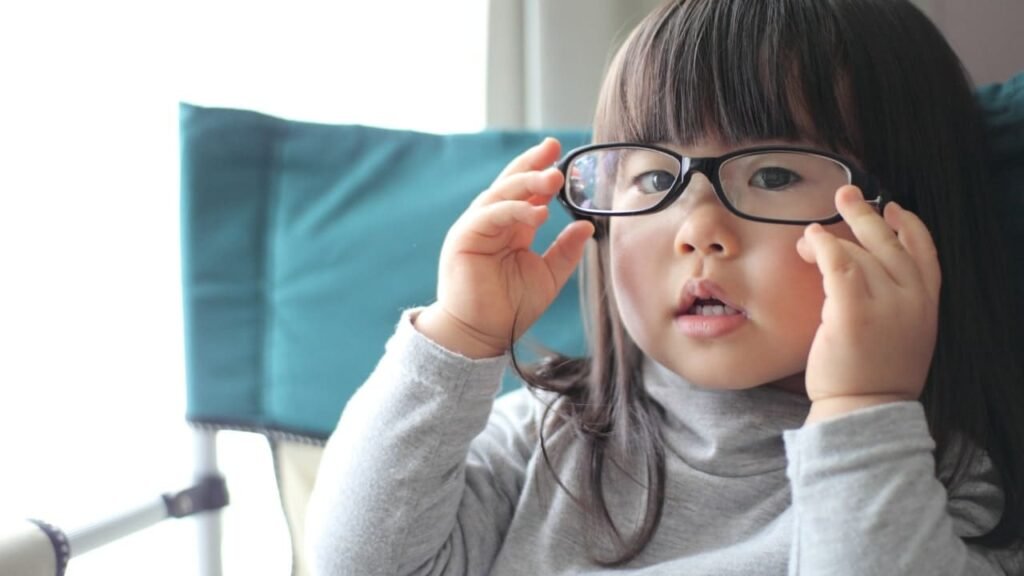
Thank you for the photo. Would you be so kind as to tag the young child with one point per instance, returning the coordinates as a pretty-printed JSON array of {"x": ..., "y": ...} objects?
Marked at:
[{"x": 775, "y": 382}]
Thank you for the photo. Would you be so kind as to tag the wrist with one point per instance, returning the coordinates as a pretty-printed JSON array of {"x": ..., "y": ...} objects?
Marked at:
[
  {"x": 833, "y": 407},
  {"x": 453, "y": 335}
]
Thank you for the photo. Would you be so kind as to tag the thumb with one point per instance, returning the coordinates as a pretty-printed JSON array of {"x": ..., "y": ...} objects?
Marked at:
[
  {"x": 806, "y": 249},
  {"x": 567, "y": 250}
]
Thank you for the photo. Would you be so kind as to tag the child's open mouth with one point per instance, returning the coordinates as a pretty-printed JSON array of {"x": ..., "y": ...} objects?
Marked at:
[
  {"x": 704, "y": 313},
  {"x": 710, "y": 307}
]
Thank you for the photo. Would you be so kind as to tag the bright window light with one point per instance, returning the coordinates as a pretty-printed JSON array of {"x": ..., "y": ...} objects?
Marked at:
[{"x": 92, "y": 410}]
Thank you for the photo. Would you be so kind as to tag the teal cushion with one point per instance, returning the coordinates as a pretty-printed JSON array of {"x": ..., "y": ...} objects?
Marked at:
[{"x": 302, "y": 243}]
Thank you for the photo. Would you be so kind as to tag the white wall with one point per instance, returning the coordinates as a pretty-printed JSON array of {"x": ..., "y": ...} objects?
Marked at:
[{"x": 547, "y": 58}]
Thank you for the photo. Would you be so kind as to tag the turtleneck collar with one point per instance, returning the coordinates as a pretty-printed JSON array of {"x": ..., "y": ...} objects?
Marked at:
[{"x": 724, "y": 432}]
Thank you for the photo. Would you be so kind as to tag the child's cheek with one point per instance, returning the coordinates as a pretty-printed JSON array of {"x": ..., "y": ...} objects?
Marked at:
[
  {"x": 641, "y": 268},
  {"x": 790, "y": 291}
]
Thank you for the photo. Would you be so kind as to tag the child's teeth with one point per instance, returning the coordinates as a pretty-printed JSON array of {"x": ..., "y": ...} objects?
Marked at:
[{"x": 713, "y": 310}]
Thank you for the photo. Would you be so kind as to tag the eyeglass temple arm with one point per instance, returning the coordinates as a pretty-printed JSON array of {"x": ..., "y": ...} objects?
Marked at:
[{"x": 871, "y": 183}]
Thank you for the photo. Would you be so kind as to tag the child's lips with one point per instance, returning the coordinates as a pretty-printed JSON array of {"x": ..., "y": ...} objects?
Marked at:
[
  {"x": 705, "y": 311},
  {"x": 705, "y": 298},
  {"x": 706, "y": 327}
]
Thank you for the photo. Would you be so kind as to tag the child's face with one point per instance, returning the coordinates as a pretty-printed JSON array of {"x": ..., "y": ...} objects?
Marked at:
[{"x": 697, "y": 249}]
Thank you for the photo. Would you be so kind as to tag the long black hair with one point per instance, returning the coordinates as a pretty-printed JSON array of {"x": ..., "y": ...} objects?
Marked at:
[{"x": 873, "y": 79}]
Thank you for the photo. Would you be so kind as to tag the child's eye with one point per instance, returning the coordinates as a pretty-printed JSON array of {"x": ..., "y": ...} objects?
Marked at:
[
  {"x": 654, "y": 182},
  {"x": 774, "y": 178}
]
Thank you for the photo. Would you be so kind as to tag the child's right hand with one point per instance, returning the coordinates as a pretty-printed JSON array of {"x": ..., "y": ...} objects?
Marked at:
[{"x": 489, "y": 279}]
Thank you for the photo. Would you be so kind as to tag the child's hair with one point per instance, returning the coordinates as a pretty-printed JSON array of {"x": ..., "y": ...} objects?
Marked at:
[{"x": 872, "y": 79}]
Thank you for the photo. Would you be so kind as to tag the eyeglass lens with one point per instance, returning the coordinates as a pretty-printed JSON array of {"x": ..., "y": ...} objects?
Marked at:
[{"x": 780, "y": 185}]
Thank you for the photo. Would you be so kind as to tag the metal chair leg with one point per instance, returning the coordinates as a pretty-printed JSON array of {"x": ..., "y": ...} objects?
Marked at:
[{"x": 209, "y": 523}]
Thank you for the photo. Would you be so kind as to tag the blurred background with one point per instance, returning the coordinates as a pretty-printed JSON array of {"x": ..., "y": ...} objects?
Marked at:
[{"x": 91, "y": 364}]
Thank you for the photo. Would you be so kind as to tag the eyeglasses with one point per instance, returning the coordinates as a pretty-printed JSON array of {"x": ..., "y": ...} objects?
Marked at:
[{"x": 776, "y": 184}]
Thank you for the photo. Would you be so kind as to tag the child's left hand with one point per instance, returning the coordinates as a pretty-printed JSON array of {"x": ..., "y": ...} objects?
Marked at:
[{"x": 880, "y": 317}]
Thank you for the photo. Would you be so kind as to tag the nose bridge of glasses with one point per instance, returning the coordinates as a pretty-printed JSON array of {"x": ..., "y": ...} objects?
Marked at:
[
  {"x": 701, "y": 219},
  {"x": 696, "y": 181}
]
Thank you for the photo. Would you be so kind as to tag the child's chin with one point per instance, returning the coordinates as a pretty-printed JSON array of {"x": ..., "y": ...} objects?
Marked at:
[{"x": 729, "y": 380}]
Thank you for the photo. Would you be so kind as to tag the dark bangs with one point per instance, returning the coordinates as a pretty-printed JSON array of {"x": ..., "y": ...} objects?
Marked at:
[{"x": 742, "y": 71}]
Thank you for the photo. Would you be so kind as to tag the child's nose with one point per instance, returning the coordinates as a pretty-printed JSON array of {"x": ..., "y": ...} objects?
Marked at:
[{"x": 706, "y": 227}]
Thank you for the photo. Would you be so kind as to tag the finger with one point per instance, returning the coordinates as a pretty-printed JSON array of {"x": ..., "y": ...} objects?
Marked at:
[
  {"x": 918, "y": 242},
  {"x": 490, "y": 227},
  {"x": 842, "y": 270},
  {"x": 875, "y": 235},
  {"x": 566, "y": 251},
  {"x": 538, "y": 157},
  {"x": 535, "y": 187}
]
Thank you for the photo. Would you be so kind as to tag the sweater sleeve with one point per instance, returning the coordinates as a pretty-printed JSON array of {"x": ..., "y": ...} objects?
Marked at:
[
  {"x": 867, "y": 501},
  {"x": 399, "y": 490}
]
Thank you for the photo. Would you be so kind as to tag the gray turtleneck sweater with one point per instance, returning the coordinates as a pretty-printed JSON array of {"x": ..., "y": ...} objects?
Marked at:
[{"x": 427, "y": 474}]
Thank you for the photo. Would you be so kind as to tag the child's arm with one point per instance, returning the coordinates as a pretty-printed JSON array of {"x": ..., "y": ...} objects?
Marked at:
[
  {"x": 866, "y": 501},
  {"x": 865, "y": 495},
  {"x": 399, "y": 490},
  {"x": 396, "y": 493}
]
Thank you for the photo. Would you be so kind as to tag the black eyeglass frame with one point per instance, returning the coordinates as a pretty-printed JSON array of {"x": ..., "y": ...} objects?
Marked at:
[{"x": 709, "y": 166}]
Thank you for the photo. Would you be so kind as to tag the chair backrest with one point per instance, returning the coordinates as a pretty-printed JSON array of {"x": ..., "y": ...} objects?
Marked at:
[{"x": 302, "y": 242}]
